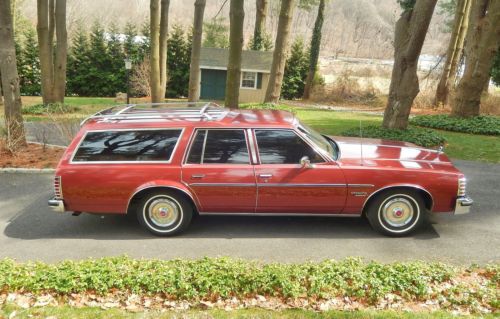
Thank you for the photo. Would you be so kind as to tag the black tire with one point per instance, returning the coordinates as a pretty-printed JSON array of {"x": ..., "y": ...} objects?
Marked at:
[
  {"x": 164, "y": 213},
  {"x": 396, "y": 213}
]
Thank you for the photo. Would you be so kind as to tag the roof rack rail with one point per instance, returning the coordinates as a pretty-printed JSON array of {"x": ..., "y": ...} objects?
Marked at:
[{"x": 158, "y": 111}]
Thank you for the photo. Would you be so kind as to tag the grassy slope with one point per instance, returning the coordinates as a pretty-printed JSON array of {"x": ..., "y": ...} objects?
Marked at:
[{"x": 97, "y": 313}]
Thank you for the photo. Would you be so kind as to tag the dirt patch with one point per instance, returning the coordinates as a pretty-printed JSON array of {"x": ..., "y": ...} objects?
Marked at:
[{"x": 31, "y": 156}]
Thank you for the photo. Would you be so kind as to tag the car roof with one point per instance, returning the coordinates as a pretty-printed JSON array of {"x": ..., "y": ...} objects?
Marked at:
[{"x": 208, "y": 116}]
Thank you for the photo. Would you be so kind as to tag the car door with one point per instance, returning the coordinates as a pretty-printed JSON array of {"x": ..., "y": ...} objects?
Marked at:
[
  {"x": 218, "y": 170},
  {"x": 286, "y": 186}
]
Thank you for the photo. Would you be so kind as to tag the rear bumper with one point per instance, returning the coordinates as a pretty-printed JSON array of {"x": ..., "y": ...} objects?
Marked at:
[
  {"x": 463, "y": 205},
  {"x": 57, "y": 205}
]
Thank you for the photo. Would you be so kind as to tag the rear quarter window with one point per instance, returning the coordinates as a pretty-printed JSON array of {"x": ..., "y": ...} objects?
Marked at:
[{"x": 127, "y": 146}]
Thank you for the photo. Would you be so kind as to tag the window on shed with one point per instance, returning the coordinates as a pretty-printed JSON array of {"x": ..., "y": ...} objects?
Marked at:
[
  {"x": 127, "y": 146},
  {"x": 249, "y": 80}
]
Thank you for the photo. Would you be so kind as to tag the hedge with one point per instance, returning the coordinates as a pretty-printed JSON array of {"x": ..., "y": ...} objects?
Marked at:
[{"x": 486, "y": 125}]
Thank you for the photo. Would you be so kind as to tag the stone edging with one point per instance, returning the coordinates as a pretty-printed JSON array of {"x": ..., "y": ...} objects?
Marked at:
[{"x": 27, "y": 170}]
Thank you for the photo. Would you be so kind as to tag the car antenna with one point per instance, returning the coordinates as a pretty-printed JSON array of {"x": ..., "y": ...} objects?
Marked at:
[{"x": 361, "y": 141}]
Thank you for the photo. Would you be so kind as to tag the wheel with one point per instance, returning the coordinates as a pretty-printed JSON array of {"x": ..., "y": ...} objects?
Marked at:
[
  {"x": 164, "y": 213},
  {"x": 396, "y": 212}
]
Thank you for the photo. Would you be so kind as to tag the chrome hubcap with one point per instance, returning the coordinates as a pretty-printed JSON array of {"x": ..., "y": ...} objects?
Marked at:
[
  {"x": 398, "y": 212},
  {"x": 163, "y": 212}
]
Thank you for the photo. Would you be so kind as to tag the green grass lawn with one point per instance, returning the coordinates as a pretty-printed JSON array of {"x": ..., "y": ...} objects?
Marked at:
[
  {"x": 97, "y": 313},
  {"x": 460, "y": 145}
]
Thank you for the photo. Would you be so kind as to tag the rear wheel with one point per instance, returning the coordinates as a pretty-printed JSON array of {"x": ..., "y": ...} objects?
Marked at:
[
  {"x": 396, "y": 212},
  {"x": 164, "y": 213}
]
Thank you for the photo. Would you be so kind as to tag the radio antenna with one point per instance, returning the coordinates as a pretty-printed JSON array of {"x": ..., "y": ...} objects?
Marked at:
[{"x": 361, "y": 141}]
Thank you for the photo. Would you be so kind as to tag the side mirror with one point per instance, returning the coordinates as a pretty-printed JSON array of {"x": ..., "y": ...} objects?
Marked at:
[{"x": 306, "y": 162}]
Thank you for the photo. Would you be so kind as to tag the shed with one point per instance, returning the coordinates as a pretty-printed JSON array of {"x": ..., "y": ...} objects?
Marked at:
[{"x": 255, "y": 70}]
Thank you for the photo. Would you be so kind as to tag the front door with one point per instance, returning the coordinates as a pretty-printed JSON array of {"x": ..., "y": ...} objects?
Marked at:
[
  {"x": 285, "y": 186},
  {"x": 219, "y": 172},
  {"x": 213, "y": 84}
]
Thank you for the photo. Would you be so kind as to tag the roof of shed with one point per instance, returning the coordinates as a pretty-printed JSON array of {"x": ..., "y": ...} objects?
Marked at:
[{"x": 250, "y": 60}]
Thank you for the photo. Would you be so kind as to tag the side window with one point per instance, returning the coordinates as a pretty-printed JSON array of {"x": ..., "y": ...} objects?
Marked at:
[
  {"x": 127, "y": 146},
  {"x": 221, "y": 147},
  {"x": 283, "y": 147}
]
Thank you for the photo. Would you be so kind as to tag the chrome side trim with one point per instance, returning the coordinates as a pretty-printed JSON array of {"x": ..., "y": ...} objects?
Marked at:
[
  {"x": 396, "y": 186},
  {"x": 280, "y": 214},
  {"x": 223, "y": 184},
  {"x": 298, "y": 185},
  {"x": 360, "y": 185},
  {"x": 128, "y": 162},
  {"x": 162, "y": 186}
]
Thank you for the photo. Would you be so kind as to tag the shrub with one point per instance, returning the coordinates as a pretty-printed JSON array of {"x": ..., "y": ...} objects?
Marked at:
[
  {"x": 418, "y": 136},
  {"x": 54, "y": 108},
  {"x": 486, "y": 125}
]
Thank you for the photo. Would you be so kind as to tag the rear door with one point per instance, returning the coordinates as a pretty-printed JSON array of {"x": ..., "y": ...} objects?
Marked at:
[
  {"x": 285, "y": 186},
  {"x": 218, "y": 170}
]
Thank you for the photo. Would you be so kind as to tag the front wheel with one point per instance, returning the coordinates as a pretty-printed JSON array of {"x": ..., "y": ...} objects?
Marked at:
[
  {"x": 164, "y": 213},
  {"x": 396, "y": 212}
]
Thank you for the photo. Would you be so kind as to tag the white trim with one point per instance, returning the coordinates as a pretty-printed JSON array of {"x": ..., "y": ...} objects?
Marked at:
[
  {"x": 225, "y": 69},
  {"x": 254, "y": 83}
]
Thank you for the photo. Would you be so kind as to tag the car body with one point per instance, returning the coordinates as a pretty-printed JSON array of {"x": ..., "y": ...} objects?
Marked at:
[{"x": 167, "y": 164}]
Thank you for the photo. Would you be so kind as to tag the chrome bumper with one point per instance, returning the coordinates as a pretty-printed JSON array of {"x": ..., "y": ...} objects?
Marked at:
[
  {"x": 462, "y": 205},
  {"x": 57, "y": 205}
]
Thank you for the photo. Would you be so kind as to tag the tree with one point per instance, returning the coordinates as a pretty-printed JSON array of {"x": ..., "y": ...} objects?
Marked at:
[
  {"x": 260, "y": 25},
  {"x": 454, "y": 52},
  {"x": 79, "y": 64},
  {"x": 236, "y": 17},
  {"x": 314, "y": 50},
  {"x": 216, "y": 34},
  {"x": 482, "y": 43},
  {"x": 178, "y": 53},
  {"x": 495, "y": 70},
  {"x": 296, "y": 69},
  {"x": 130, "y": 46},
  {"x": 10, "y": 80},
  {"x": 52, "y": 20},
  {"x": 279, "y": 56},
  {"x": 158, "y": 54},
  {"x": 28, "y": 64},
  {"x": 194, "y": 68},
  {"x": 410, "y": 32}
]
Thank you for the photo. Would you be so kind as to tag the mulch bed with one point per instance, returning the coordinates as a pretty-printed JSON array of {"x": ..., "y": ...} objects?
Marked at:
[{"x": 31, "y": 156}]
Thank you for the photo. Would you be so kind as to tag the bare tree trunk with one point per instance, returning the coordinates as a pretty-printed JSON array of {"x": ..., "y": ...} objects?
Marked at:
[
  {"x": 315, "y": 48},
  {"x": 273, "y": 91},
  {"x": 260, "y": 24},
  {"x": 236, "y": 18},
  {"x": 158, "y": 59},
  {"x": 483, "y": 40},
  {"x": 410, "y": 33},
  {"x": 454, "y": 52},
  {"x": 10, "y": 80},
  {"x": 194, "y": 69},
  {"x": 52, "y": 20},
  {"x": 61, "y": 53}
]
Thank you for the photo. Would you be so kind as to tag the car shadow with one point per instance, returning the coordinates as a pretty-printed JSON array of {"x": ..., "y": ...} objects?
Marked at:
[{"x": 36, "y": 222}]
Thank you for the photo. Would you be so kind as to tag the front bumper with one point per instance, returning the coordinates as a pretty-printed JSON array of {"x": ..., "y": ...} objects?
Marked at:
[
  {"x": 57, "y": 205},
  {"x": 463, "y": 205}
]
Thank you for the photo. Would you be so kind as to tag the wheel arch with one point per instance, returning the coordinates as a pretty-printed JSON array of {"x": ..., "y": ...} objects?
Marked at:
[
  {"x": 426, "y": 195},
  {"x": 142, "y": 191}
]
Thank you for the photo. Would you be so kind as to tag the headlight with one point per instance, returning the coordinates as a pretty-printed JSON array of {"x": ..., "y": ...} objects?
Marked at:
[{"x": 462, "y": 183}]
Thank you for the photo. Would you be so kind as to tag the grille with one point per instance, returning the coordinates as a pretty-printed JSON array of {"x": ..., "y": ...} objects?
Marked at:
[
  {"x": 462, "y": 183},
  {"x": 58, "y": 187}
]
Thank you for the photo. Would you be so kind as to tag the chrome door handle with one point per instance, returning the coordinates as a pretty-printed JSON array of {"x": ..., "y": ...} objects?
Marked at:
[
  {"x": 265, "y": 175},
  {"x": 197, "y": 176}
]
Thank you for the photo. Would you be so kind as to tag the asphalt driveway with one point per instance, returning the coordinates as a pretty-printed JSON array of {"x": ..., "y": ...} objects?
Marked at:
[{"x": 30, "y": 231}]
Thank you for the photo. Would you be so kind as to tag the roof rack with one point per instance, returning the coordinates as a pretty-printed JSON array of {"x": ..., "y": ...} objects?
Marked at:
[{"x": 191, "y": 110}]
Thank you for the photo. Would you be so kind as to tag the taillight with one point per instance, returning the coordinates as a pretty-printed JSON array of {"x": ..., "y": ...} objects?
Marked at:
[
  {"x": 58, "y": 187},
  {"x": 462, "y": 184}
]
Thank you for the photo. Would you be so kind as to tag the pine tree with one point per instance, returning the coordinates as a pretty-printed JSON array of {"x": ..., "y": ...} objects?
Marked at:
[
  {"x": 79, "y": 64},
  {"x": 29, "y": 64},
  {"x": 116, "y": 65},
  {"x": 216, "y": 34},
  {"x": 296, "y": 69},
  {"x": 130, "y": 46},
  {"x": 178, "y": 59}
]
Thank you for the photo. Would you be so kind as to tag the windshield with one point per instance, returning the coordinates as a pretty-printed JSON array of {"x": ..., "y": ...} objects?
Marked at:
[{"x": 323, "y": 142}]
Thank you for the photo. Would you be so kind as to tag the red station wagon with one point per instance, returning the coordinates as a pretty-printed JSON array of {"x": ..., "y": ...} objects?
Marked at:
[{"x": 166, "y": 164}]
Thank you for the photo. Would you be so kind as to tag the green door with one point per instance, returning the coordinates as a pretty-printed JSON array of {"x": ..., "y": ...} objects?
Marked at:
[{"x": 213, "y": 84}]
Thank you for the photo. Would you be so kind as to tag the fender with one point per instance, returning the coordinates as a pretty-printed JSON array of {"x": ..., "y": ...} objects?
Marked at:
[
  {"x": 386, "y": 187},
  {"x": 165, "y": 184}
]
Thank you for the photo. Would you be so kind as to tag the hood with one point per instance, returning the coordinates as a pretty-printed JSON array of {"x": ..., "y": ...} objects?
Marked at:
[{"x": 375, "y": 151}]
